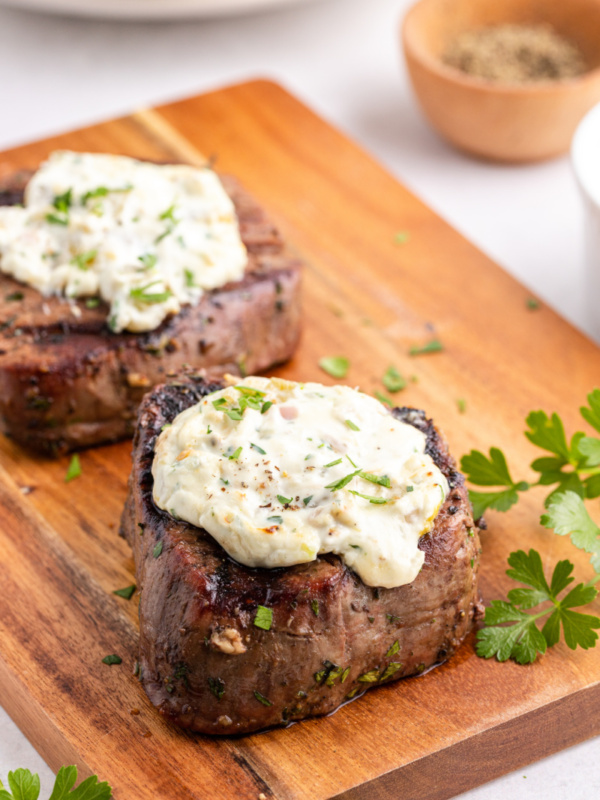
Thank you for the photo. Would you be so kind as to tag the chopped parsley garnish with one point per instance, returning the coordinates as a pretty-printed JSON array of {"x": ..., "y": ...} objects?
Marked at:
[
  {"x": 381, "y": 480},
  {"x": 224, "y": 481},
  {"x": 190, "y": 280},
  {"x": 401, "y": 237},
  {"x": 92, "y": 302},
  {"x": 158, "y": 548},
  {"x": 262, "y": 699},
  {"x": 532, "y": 304},
  {"x": 390, "y": 670},
  {"x": 84, "y": 260},
  {"x": 379, "y": 501},
  {"x": 276, "y": 519},
  {"x": 333, "y": 463},
  {"x": 410, "y": 489},
  {"x": 57, "y": 219},
  {"x": 74, "y": 468},
  {"x": 62, "y": 204},
  {"x": 142, "y": 294},
  {"x": 217, "y": 687},
  {"x": 393, "y": 380},
  {"x": 218, "y": 404},
  {"x": 263, "y": 618},
  {"x": 112, "y": 659},
  {"x": 434, "y": 346},
  {"x": 383, "y": 399},
  {"x": 127, "y": 592},
  {"x": 148, "y": 260},
  {"x": 342, "y": 481},
  {"x": 265, "y": 406},
  {"x": 249, "y": 391},
  {"x": 258, "y": 449},
  {"x": 306, "y": 500},
  {"x": 461, "y": 404},
  {"x": 102, "y": 191},
  {"x": 336, "y": 366},
  {"x": 369, "y": 677},
  {"x": 11, "y": 298},
  {"x": 284, "y": 500},
  {"x": 168, "y": 214},
  {"x": 345, "y": 674},
  {"x": 234, "y": 413},
  {"x": 235, "y": 455},
  {"x": 314, "y": 604},
  {"x": 352, "y": 425},
  {"x": 395, "y": 648}
]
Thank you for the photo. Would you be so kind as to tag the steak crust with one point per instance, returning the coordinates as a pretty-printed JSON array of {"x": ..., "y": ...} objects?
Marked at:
[
  {"x": 208, "y": 668},
  {"x": 67, "y": 381}
]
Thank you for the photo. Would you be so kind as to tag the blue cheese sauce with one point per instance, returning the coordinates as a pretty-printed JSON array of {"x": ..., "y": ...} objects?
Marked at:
[
  {"x": 147, "y": 239},
  {"x": 279, "y": 472}
]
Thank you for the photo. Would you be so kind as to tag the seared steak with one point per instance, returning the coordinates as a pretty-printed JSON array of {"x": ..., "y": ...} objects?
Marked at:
[
  {"x": 208, "y": 668},
  {"x": 67, "y": 381}
]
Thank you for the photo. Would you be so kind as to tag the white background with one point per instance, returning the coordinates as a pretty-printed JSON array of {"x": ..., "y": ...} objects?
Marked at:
[{"x": 342, "y": 58}]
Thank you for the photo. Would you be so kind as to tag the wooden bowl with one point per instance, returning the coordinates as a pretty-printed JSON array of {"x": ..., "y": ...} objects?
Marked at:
[{"x": 500, "y": 121}]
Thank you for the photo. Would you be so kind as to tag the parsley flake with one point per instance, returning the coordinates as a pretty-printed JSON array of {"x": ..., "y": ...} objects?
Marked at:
[
  {"x": 336, "y": 366},
  {"x": 379, "y": 501},
  {"x": 276, "y": 519},
  {"x": 306, "y": 500},
  {"x": 85, "y": 260},
  {"x": 142, "y": 295},
  {"x": 434, "y": 346},
  {"x": 112, "y": 659},
  {"x": 333, "y": 463},
  {"x": 352, "y": 425},
  {"x": 284, "y": 500},
  {"x": 74, "y": 468},
  {"x": 262, "y": 699},
  {"x": 314, "y": 604},
  {"x": 383, "y": 399},
  {"x": 393, "y": 380},
  {"x": 127, "y": 592},
  {"x": 258, "y": 449},
  {"x": 148, "y": 260},
  {"x": 158, "y": 548},
  {"x": 263, "y": 618}
]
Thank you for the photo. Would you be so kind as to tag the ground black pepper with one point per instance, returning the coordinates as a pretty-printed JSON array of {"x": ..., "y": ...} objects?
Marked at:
[{"x": 515, "y": 54}]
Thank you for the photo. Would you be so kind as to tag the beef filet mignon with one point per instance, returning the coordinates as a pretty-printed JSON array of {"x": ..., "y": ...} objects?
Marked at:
[
  {"x": 209, "y": 668},
  {"x": 67, "y": 381}
]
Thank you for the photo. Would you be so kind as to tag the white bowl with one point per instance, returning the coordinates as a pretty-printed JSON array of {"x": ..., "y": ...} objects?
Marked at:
[{"x": 585, "y": 155}]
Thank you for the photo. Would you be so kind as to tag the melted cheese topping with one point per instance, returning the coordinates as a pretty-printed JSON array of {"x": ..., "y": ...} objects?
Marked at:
[
  {"x": 279, "y": 472},
  {"x": 146, "y": 238}
]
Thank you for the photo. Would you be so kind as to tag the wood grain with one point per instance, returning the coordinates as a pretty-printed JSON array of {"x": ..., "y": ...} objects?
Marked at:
[{"x": 369, "y": 298}]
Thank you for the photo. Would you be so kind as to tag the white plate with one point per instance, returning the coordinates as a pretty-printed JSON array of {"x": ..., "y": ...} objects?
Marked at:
[{"x": 146, "y": 9}]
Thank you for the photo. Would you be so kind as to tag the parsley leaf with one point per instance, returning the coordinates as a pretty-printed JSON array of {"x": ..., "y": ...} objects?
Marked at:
[
  {"x": 510, "y": 632},
  {"x": 74, "y": 468},
  {"x": 127, "y": 592},
  {"x": 568, "y": 515},
  {"x": 142, "y": 294},
  {"x": 263, "y": 618},
  {"x": 492, "y": 471},
  {"x": 336, "y": 366},
  {"x": 383, "y": 399},
  {"x": 393, "y": 380},
  {"x": 26, "y": 786},
  {"x": 434, "y": 346}
]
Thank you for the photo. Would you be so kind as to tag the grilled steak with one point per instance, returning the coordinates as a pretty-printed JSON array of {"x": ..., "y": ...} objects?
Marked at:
[
  {"x": 67, "y": 381},
  {"x": 208, "y": 668}
]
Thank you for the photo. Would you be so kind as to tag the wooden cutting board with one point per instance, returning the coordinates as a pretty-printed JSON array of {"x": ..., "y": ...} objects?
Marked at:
[{"x": 370, "y": 298}]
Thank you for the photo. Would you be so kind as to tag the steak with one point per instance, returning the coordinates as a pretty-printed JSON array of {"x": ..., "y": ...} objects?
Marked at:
[
  {"x": 208, "y": 668},
  {"x": 67, "y": 381}
]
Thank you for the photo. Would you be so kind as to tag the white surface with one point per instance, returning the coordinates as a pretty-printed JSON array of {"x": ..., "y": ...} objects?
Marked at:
[
  {"x": 341, "y": 57},
  {"x": 146, "y": 9},
  {"x": 585, "y": 154}
]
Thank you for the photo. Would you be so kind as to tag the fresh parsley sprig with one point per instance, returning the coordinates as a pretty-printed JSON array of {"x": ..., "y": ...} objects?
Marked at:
[
  {"x": 24, "y": 785},
  {"x": 521, "y": 639},
  {"x": 572, "y": 468}
]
